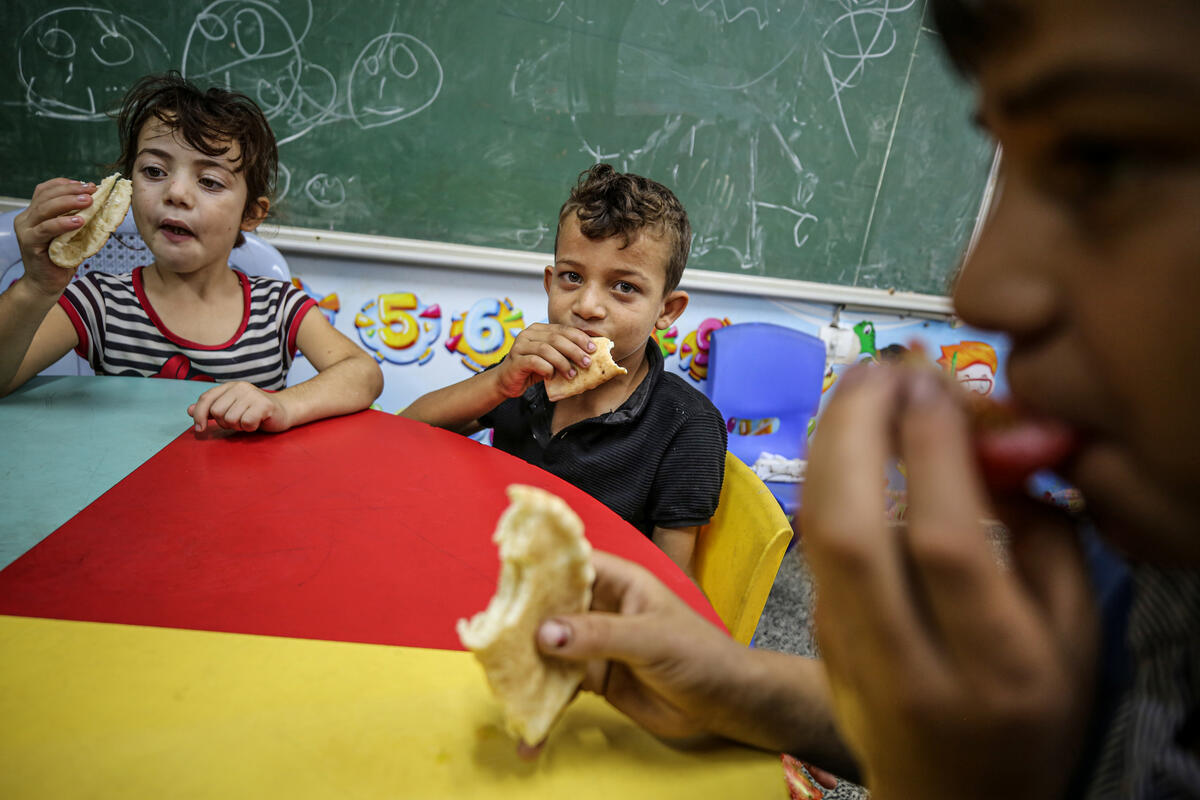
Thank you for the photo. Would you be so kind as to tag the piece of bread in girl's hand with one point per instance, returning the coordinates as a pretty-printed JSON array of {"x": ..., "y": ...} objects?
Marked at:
[
  {"x": 546, "y": 569},
  {"x": 100, "y": 219},
  {"x": 601, "y": 369}
]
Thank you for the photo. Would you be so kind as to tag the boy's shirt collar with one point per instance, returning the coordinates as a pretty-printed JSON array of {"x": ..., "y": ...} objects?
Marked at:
[{"x": 543, "y": 410}]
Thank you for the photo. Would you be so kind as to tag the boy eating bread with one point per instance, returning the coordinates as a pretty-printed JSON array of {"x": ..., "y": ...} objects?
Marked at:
[{"x": 643, "y": 441}]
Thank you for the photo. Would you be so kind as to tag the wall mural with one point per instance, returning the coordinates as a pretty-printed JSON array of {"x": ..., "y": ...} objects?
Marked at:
[
  {"x": 399, "y": 328},
  {"x": 693, "y": 352}
]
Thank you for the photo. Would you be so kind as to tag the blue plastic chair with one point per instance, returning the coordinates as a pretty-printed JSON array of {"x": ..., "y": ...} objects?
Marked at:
[
  {"x": 761, "y": 371},
  {"x": 124, "y": 251}
]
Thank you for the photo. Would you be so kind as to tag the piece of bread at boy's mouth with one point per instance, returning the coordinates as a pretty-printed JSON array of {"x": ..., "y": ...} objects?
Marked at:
[
  {"x": 100, "y": 219},
  {"x": 546, "y": 570},
  {"x": 1010, "y": 445},
  {"x": 601, "y": 369}
]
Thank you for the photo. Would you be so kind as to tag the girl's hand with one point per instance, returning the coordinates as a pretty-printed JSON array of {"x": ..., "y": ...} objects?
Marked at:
[
  {"x": 240, "y": 406},
  {"x": 49, "y": 215}
]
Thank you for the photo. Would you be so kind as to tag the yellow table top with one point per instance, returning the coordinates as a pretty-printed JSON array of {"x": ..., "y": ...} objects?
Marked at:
[{"x": 99, "y": 710}]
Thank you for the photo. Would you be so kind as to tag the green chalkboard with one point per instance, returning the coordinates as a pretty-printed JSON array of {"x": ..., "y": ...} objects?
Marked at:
[{"x": 820, "y": 140}]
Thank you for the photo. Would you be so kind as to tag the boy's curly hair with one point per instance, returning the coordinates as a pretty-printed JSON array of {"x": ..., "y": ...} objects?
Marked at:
[
  {"x": 207, "y": 120},
  {"x": 610, "y": 203}
]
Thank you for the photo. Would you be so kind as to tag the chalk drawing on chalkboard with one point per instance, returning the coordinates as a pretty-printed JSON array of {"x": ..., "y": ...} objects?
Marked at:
[
  {"x": 850, "y": 48},
  {"x": 257, "y": 48},
  {"x": 531, "y": 238},
  {"x": 327, "y": 191},
  {"x": 395, "y": 76},
  {"x": 75, "y": 63},
  {"x": 758, "y": 12},
  {"x": 283, "y": 181}
]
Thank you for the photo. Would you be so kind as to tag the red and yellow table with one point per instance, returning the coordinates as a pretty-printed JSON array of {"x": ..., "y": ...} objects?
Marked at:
[{"x": 273, "y": 615}]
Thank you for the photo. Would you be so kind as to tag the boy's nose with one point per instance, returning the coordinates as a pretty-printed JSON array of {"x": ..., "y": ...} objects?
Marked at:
[
  {"x": 1008, "y": 282},
  {"x": 589, "y": 303}
]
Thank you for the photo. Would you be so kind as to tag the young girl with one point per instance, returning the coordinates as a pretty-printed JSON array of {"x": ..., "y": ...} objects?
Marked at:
[{"x": 202, "y": 164}]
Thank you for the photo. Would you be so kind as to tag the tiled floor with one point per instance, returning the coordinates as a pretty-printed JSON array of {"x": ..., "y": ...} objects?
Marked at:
[{"x": 786, "y": 626}]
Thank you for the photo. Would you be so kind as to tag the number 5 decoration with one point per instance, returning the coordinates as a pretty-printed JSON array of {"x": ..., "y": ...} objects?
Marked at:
[
  {"x": 485, "y": 333},
  {"x": 398, "y": 328}
]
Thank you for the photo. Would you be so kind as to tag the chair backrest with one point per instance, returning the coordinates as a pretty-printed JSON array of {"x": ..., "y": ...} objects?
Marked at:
[
  {"x": 123, "y": 251},
  {"x": 739, "y": 551},
  {"x": 758, "y": 371}
]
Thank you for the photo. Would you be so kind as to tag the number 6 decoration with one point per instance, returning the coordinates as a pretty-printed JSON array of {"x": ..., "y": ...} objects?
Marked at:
[{"x": 485, "y": 333}]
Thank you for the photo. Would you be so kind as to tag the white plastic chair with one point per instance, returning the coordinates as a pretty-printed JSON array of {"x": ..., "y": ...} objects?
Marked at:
[{"x": 124, "y": 251}]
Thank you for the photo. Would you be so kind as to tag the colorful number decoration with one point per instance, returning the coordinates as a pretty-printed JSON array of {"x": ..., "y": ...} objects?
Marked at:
[
  {"x": 485, "y": 333},
  {"x": 666, "y": 340},
  {"x": 398, "y": 328},
  {"x": 328, "y": 303},
  {"x": 693, "y": 352}
]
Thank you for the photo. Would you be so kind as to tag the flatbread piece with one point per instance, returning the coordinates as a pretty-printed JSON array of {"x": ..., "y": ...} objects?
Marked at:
[
  {"x": 601, "y": 369},
  {"x": 100, "y": 219},
  {"x": 546, "y": 569}
]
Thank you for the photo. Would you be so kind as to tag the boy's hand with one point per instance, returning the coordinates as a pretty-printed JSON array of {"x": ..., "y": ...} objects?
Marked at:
[
  {"x": 953, "y": 674},
  {"x": 658, "y": 661},
  {"x": 240, "y": 406},
  {"x": 648, "y": 653},
  {"x": 539, "y": 351},
  {"x": 42, "y": 222}
]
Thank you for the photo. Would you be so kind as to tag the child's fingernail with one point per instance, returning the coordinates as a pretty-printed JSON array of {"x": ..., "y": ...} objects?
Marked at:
[
  {"x": 76, "y": 220},
  {"x": 591, "y": 346},
  {"x": 570, "y": 373},
  {"x": 586, "y": 361},
  {"x": 554, "y": 634},
  {"x": 83, "y": 198}
]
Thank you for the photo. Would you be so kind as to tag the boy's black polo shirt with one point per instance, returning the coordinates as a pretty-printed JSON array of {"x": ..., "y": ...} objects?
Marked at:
[{"x": 659, "y": 459}]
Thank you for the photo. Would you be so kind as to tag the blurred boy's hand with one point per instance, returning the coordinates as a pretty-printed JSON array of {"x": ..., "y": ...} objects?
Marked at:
[
  {"x": 539, "y": 351},
  {"x": 42, "y": 222},
  {"x": 948, "y": 667},
  {"x": 240, "y": 406}
]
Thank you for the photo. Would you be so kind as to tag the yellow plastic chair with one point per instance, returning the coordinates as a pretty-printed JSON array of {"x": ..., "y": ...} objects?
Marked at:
[{"x": 739, "y": 551}]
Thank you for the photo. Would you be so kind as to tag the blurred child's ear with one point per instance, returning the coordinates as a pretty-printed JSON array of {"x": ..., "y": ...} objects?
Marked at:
[
  {"x": 255, "y": 214},
  {"x": 672, "y": 306}
]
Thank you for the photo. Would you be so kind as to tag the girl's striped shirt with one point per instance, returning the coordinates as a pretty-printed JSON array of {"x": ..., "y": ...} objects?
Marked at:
[{"x": 120, "y": 333}]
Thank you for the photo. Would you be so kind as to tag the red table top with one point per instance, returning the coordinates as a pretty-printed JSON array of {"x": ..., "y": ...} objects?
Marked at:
[{"x": 367, "y": 528}]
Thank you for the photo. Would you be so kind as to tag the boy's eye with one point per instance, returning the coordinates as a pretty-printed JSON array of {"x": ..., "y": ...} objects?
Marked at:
[
  {"x": 151, "y": 171},
  {"x": 211, "y": 183},
  {"x": 625, "y": 287},
  {"x": 571, "y": 277},
  {"x": 1088, "y": 172}
]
